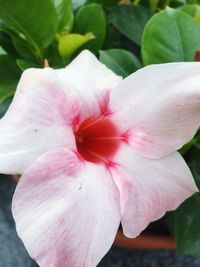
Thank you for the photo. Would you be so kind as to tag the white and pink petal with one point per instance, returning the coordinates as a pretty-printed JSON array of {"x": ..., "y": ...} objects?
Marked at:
[
  {"x": 92, "y": 81},
  {"x": 40, "y": 118},
  {"x": 149, "y": 188},
  {"x": 158, "y": 107},
  {"x": 67, "y": 211}
]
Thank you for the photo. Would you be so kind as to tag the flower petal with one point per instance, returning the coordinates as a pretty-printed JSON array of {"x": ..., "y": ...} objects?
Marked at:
[
  {"x": 92, "y": 81},
  {"x": 158, "y": 107},
  {"x": 149, "y": 188},
  {"x": 66, "y": 211},
  {"x": 40, "y": 118}
]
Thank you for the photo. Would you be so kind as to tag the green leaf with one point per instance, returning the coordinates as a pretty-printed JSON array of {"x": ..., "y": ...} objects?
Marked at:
[
  {"x": 130, "y": 20},
  {"x": 193, "y": 1},
  {"x": 177, "y": 3},
  {"x": 65, "y": 15},
  {"x": 91, "y": 18},
  {"x": 2, "y": 51},
  {"x": 170, "y": 36},
  {"x": 9, "y": 76},
  {"x": 7, "y": 45},
  {"x": 36, "y": 21},
  {"x": 153, "y": 4},
  {"x": 187, "y": 221},
  {"x": 78, "y": 3},
  {"x": 8, "y": 69},
  {"x": 7, "y": 89},
  {"x": 104, "y": 3},
  {"x": 193, "y": 161},
  {"x": 122, "y": 62},
  {"x": 69, "y": 43},
  {"x": 195, "y": 168},
  {"x": 4, "y": 105},
  {"x": 157, "y": 5},
  {"x": 193, "y": 11},
  {"x": 21, "y": 46},
  {"x": 53, "y": 56},
  {"x": 164, "y": 3},
  {"x": 187, "y": 217},
  {"x": 23, "y": 65}
]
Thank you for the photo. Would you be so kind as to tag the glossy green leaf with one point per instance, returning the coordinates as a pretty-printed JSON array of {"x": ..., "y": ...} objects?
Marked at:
[
  {"x": 193, "y": 160},
  {"x": 130, "y": 20},
  {"x": 4, "y": 105},
  {"x": 164, "y": 3},
  {"x": 23, "y": 49},
  {"x": 157, "y": 5},
  {"x": 78, "y": 3},
  {"x": 7, "y": 89},
  {"x": 36, "y": 21},
  {"x": 23, "y": 65},
  {"x": 8, "y": 69},
  {"x": 7, "y": 44},
  {"x": 69, "y": 43},
  {"x": 122, "y": 62},
  {"x": 104, "y": 3},
  {"x": 65, "y": 15},
  {"x": 53, "y": 56},
  {"x": 195, "y": 167},
  {"x": 2, "y": 51},
  {"x": 9, "y": 76},
  {"x": 91, "y": 18},
  {"x": 187, "y": 221},
  {"x": 170, "y": 36},
  {"x": 193, "y": 1},
  {"x": 153, "y": 4},
  {"x": 193, "y": 11},
  {"x": 177, "y": 3},
  {"x": 20, "y": 45},
  {"x": 187, "y": 217}
]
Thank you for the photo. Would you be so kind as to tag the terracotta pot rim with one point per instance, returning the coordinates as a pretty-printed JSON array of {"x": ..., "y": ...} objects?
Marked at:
[
  {"x": 15, "y": 177},
  {"x": 145, "y": 241}
]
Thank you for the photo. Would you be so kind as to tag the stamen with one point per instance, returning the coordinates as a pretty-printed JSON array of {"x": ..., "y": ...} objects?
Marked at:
[
  {"x": 46, "y": 63},
  {"x": 92, "y": 123},
  {"x": 107, "y": 138},
  {"x": 98, "y": 156}
]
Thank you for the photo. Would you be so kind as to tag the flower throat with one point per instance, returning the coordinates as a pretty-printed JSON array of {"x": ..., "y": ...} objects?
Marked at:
[{"x": 97, "y": 139}]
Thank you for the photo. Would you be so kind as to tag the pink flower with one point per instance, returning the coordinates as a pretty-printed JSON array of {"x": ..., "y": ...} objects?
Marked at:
[{"x": 95, "y": 150}]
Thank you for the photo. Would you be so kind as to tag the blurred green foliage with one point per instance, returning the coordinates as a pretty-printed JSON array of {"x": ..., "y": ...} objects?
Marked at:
[{"x": 125, "y": 35}]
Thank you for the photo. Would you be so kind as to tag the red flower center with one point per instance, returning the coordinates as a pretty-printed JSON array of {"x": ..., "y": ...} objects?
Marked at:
[{"x": 97, "y": 139}]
